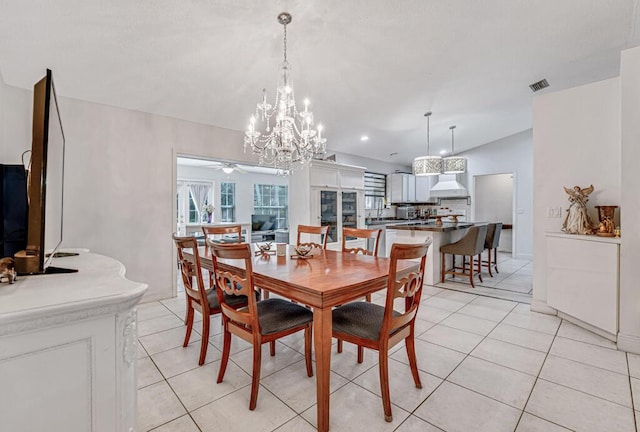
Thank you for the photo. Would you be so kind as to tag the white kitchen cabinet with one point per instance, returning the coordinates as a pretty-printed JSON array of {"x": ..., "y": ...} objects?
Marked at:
[
  {"x": 401, "y": 187},
  {"x": 327, "y": 193},
  {"x": 423, "y": 188},
  {"x": 337, "y": 209}
]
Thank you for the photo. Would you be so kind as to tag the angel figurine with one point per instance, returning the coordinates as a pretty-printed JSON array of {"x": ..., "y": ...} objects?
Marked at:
[{"x": 577, "y": 220}]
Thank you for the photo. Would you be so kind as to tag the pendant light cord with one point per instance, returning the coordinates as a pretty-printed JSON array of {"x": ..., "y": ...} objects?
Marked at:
[
  {"x": 428, "y": 115},
  {"x": 452, "y": 150}
]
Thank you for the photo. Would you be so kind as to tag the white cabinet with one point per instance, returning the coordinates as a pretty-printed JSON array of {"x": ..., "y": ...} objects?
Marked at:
[
  {"x": 337, "y": 209},
  {"x": 68, "y": 347},
  {"x": 583, "y": 279},
  {"x": 327, "y": 193},
  {"x": 401, "y": 187},
  {"x": 423, "y": 188}
]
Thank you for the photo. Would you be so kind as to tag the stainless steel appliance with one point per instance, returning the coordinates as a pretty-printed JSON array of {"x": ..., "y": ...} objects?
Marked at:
[{"x": 406, "y": 212}]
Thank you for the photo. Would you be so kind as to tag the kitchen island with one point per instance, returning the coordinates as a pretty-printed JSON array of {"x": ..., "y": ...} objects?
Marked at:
[{"x": 419, "y": 232}]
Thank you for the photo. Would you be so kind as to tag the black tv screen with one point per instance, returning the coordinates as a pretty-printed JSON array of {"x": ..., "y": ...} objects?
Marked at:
[
  {"x": 263, "y": 222},
  {"x": 46, "y": 174}
]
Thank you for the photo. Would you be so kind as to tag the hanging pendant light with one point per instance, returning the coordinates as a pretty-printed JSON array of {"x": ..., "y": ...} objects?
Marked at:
[
  {"x": 454, "y": 164},
  {"x": 427, "y": 165}
]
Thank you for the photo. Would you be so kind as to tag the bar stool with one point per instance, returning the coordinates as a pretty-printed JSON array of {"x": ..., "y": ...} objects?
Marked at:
[
  {"x": 491, "y": 243},
  {"x": 470, "y": 245}
]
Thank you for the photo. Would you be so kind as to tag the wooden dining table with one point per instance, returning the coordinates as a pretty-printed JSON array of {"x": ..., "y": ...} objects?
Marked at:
[{"x": 323, "y": 281}]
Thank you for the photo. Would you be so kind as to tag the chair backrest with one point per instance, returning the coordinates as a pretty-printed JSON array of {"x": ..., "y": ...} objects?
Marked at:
[
  {"x": 323, "y": 231},
  {"x": 192, "y": 270},
  {"x": 222, "y": 230},
  {"x": 234, "y": 284},
  {"x": 480, "y": 239},
  {"x": 407, "y": 286},
  {"x": 361, "y": 234},
  {"x": 493, "y": 235}
]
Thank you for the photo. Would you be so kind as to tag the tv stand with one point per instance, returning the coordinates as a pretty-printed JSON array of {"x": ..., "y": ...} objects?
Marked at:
[{"x": 69, "y": 348}]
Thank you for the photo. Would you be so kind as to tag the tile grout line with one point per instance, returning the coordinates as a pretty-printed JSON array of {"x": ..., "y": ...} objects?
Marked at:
[{"x": 633, "y": 405}]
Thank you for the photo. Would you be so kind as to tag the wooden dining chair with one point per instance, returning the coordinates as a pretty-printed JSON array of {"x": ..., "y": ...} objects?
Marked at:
[
  {"x": 209, "y": 231},
  {"x": 382, "y": 327},
  {"x": 364, "y": 234},
  {"x": 491, "y": 244},
  {"x": 323, "y": 231},
  {"x": 262, "y": 321},
  {"x": 198, "y": 297}
]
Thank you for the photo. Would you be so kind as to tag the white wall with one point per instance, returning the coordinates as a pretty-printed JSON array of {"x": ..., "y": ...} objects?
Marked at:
[
  {"x": 120, "y": 178},
  {"x": 576, "y": 142},
  {"x": 629, "y": 333},
  {"x": 244, "y": 187},
  {"x": 2, "y": 103},
  {"x": 513, "y": 154}
]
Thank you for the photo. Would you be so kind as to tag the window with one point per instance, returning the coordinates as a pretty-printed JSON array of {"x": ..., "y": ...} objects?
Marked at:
[
  {"x": 187, "y": 204},
  {"x": 374, "y": 190},
  {"x": 228, "y": 202},
  {"x": 273, "y": 200}
]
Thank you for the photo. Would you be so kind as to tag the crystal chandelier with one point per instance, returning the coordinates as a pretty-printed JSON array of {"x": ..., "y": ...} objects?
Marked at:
[
  {"x": 280, "y": 134},
  {"x": 427, "y": 165},
  {"x": 454, "y": 164}
]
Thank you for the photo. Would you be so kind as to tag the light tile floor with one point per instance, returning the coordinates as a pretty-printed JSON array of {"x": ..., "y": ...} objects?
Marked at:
[
  {"x": 486, "y": 365},
  {"x": 513, "y": 282}
]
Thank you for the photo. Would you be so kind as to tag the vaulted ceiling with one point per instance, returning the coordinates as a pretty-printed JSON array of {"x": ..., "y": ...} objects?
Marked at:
[{"x": 369, "y": 67}]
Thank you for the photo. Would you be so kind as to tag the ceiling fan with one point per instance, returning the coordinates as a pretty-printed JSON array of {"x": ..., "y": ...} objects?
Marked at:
[{"x": 228, "y": 168}]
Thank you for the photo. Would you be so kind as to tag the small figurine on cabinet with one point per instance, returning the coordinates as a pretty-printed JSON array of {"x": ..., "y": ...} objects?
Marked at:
[
  {"x": 606, "y": 228},
  {"x": 7, "y": 270},
  {"x": 577, "y": 220}
]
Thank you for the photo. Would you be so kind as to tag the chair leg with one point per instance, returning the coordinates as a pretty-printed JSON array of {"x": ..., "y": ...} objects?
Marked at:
[
  {"x": 413, "y": 363},
  {"x": 442, "y": 266},
  {"x": 265, "y": 294},
  {"x": 189, "y": 322},
  {"x": 308, "y": 334},
  {"x": 368, "y": 298},
  {"x": 453, "y": 265},
  {"x": 226, "y": 348},
  {"x": 272, "y": 348},
  {"x": 384, "y": 384},
  {"x": 489, "y": 262},
  {"x": 480, "y": 267},
  {"x": 339, "y": 346},
  {"x": 204, "y": 343},
  {"x": 255, "y": 379},
  {"x": 495, "y": 258},
  {"x": 471, "y": 271},
  {"x": 360, "y": 354}
]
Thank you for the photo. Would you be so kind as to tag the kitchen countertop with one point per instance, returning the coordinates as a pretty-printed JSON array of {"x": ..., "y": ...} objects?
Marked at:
[{"x": 431, "y": 226}]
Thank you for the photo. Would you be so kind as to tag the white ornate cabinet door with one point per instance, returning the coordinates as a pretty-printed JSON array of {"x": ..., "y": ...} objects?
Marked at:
[
  {"x": 60, "y": 379},
  {"x": 68, "y": 350}
]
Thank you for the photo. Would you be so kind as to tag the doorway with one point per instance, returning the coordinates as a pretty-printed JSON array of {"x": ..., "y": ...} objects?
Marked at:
[{"x": 494, "y": 203}]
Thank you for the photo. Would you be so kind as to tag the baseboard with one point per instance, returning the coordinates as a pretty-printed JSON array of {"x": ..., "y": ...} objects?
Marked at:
[
  {"x": 542, "y": 307},
  {"x": 587, "y": 326},
  {"x": 629, "y": 343}
]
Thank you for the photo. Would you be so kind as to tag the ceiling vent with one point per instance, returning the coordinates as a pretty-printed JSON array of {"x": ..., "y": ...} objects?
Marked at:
[{"x": 537, "y": 86}]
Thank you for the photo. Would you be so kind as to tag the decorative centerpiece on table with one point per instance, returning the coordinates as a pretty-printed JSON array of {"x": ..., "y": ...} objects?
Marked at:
[{"x": 208, "y": 211}]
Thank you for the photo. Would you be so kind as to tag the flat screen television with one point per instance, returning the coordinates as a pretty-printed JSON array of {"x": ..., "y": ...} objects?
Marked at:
[
  {"x": 263, "y": 222},
  {"x": 45, "y": 180}
]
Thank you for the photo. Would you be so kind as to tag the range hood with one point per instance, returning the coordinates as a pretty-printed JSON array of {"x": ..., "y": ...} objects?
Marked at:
[{"x": 448, "y": 187}]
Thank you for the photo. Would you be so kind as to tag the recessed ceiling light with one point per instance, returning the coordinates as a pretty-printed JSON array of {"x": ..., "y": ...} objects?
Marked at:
[
  {"x": 364, "y": 138},
  {"x": 443, "y": 151}
]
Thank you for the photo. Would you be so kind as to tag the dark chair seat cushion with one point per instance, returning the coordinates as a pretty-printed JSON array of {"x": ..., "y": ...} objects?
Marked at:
[
  {"x": 232, "y": 300},
  {"x": 362, "y": 319},
  {"x": 277, "y": 315}
]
